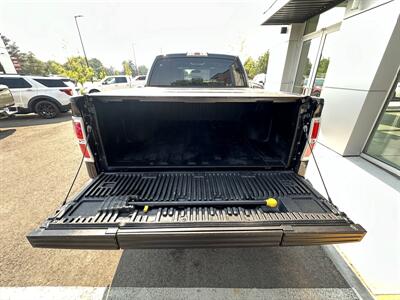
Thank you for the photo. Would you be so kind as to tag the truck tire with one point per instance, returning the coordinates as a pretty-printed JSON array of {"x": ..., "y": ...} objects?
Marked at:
[
  {"x": 46, "y": 109},
  {"x": 91, "y": 169}
]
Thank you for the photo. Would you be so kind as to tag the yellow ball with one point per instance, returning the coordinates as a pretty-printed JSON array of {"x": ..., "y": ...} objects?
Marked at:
[{"x": 271, "y": 202}]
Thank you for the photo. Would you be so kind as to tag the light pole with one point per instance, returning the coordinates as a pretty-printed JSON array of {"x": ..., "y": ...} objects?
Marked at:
[
  {"x": 80, "y": 37},
  {"x": 134, "y": 59}
]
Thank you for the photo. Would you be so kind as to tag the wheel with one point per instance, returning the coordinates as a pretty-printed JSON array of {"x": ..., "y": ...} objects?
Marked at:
[
  {"x": 93, "y": 91},
  {"x": 46, "y": 109}
]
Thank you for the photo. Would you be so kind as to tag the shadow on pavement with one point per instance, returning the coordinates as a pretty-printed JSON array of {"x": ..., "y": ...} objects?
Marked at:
[
  {"x": 261, "y": 268},
  {"x": 6, "y": 133},
  {"x": 32, "y": 120}
]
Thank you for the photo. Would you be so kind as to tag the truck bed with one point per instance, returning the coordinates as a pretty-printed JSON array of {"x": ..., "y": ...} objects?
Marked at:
[
  {"x": 185, "y": 145},
  {"x": 195, "y": 209}
]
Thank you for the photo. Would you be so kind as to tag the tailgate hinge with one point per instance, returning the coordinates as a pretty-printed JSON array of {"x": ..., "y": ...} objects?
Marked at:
[
  {"x": 287, "y": 228},
  {"x": 112, "y": 230}
]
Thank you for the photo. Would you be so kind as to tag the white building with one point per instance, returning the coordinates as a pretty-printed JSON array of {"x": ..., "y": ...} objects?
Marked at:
[
  {"x": 6, "y": 64},
  {"x": 349, "y": 53}
]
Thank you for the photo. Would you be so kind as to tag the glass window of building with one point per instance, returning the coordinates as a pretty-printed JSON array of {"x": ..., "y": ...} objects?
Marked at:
[
  {"x": 308, "y": 57},
  {"x": 323, "y": 64},
  {"x": 384, "y": 143}
]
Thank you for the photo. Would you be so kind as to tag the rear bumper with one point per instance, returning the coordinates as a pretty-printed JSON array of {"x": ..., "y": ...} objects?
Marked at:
[{"x": 195, "y": 237}]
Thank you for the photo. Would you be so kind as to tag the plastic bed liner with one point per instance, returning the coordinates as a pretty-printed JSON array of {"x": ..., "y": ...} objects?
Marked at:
[
  {"x": 180, "y": 144},
  {"x": 195, "y": 135},
  {"x": 195, "y": 209}
]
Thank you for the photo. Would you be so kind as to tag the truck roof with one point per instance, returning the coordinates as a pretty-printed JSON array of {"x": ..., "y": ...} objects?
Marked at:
[
  {"x": 190, "y": 93},
  {"x": 118, "y": 76},
  {"x": 200, "y": 54}
]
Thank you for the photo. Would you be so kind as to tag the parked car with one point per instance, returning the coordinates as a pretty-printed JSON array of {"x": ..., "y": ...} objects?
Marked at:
[
  {"x": 255, "y": 85},
  {"x": 6, "y": 101},
  {"x": 317, "y": 86},
  {"x": 109, "y": 83},
  {"x": 139, "y": 81},
  {"x": 195, "y": 159},
  {"x": 45, "y": 96},
  {"x": 260, "y": 79}
]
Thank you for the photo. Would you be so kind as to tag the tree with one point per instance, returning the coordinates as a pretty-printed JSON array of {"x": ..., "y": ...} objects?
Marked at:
[
  {"x": 30, "y": 65},
  {"x": 250, "y": 67},
  {"x": 257, "y": 67},
  {"x": 76, "y": 69},
  {"x": 262, "y": 63},
  {"x": 142, "y": 70},
  {"x": 53, "y": 68},
  {"x": 323, "y": 67},
  {"x": 308, "y": 66},
  {"x": 12, "y": 48},
  {"x": 109, "y": 71},
  {"x": 98, "y": 68},
  {"x": 127, "y": 68},
  {"x": 102, "y": 74}
]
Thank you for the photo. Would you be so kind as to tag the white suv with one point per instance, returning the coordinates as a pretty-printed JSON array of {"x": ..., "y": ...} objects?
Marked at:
[{"x": 46, "y": 96}]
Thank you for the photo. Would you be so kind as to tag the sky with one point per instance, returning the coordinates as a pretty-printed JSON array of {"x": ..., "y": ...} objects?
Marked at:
[{"x": 111, "y": 28}]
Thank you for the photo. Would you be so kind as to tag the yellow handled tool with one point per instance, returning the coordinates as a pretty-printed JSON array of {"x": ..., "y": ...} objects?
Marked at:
[{"x": 271, "y": 202}]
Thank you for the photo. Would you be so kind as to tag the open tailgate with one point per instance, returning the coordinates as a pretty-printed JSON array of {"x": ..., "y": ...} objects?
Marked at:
[{"x": 195, "y": 209}]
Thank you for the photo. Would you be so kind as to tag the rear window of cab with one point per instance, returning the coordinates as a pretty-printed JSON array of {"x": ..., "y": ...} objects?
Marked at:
[{"x": 196, "y": 72}]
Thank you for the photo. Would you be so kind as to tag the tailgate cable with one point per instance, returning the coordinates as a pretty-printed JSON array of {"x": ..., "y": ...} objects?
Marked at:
[
  {"x": 89, "y": 130},
  {"x": 305, "y": 129}
]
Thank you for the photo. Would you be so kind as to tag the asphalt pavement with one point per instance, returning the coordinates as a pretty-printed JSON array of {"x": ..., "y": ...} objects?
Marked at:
[
  {"x": 238, "y": 273},
  {"x": 38, "y": 160}
]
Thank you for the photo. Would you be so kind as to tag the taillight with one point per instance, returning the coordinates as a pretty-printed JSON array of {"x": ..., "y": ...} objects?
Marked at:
[
  {"x": 85, "y": 150},
  {"x": 79, "y": 130},
  {"x": 312, "y": 138},
  {"x": 314, "y": 129},
  {"x": 69, "y": 92}
]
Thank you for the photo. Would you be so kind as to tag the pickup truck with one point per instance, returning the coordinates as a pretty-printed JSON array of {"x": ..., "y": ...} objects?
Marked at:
[
  {"x": 195, "y": 159},
  {"x": 109, "y": 83}
]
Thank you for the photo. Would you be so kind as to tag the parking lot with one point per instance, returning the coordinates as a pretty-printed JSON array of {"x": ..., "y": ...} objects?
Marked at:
[{"x": 38, "y": 161}]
